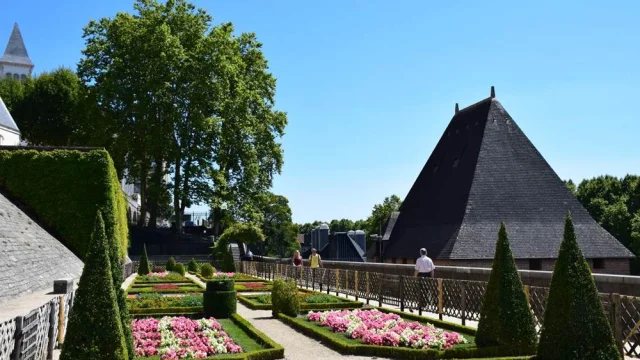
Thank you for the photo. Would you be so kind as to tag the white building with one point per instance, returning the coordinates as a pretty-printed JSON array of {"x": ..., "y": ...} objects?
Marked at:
[
  {"x": 9, "y": 132},
  {"x": 15, "y": 62}
]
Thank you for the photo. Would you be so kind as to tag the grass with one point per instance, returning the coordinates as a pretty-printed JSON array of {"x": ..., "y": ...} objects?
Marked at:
[
  {"x": 309, "y": 301},
  {"x": 253, "y": 286},
  {"x": 239, "y": 336},
  {"x": 157, "y": 301},
  {"x": 180, "y": 290},
  {"x": 171, "y": 277}
]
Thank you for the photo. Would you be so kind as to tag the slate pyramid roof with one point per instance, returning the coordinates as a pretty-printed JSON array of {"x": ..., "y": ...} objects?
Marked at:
[
  {"x": 484, "y": 170},
  {"x": 16, "y": 52},
  {"x": 6, "y": 121}
]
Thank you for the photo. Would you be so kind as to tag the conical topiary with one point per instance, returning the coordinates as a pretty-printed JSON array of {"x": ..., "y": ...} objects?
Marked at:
[
  {"x": 116, "y": 259},
  {"x": 143, "y": 267},
  {"x": 193, "y": 265},
  {"x": 95, "y": 328},
  {"x": 505, "y": 317},
  {"x": 575, "y": 326},
  {"x": 171, "y": 263}
]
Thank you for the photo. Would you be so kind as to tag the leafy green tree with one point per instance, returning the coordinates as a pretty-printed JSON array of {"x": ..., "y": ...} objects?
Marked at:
[
  {"x": 12, "y": 93},
  {"x": 575, "y": 326},
  {"x": 341, "y": 225},
  {"x": 276, "y": 225},
  {"x": 95, "y": 328},
  {"x": 571, "y": 186},
  {"x": 505, "y": 317},
  {"x": 380, "y": 215}
]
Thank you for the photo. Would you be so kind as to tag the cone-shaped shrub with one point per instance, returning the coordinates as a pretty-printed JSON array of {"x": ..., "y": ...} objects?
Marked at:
[
  {"x": 143, "y": 267},
  {"x": 193, "y": 265},
  {"x": 505, "y": 317},
  {"x": 95, "y": 328},
  {"x": 575, "y": 326},
  {"x": 170, "y": 264}
]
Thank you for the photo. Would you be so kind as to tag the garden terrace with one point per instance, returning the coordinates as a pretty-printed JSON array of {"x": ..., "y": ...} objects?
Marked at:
[
  {"x": 383, "y": 333},
  {"x": 236, "y": 338},
  {"x": 309, "y": 300},
  {"x": 164, "y": 283},
  {"x": 253, "y": 286},
  {"x": 157, "y": 304},
  {"x": 237, "y": 277},
  {"x": 443, "y": 298}
]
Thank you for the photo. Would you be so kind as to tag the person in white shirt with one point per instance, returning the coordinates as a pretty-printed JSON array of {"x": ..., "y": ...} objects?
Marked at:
[{"x": 424, "y": 265}]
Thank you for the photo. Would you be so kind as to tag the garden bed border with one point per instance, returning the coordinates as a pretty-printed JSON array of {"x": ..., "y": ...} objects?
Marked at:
[{"x": 348, "y": 304}]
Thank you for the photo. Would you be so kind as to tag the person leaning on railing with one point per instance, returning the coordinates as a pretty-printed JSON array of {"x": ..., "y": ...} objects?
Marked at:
[
  {"x": 315, "y": 262},
  {"x": 296, "y": 259}
]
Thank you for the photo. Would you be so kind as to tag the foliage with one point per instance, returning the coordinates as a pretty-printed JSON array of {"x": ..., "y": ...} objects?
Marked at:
[
  {"x": 143, "y": 267},
  {"x": 284, "y": 298},
  {"x": 193, "y": 265},
  {"x": 505, "y": 317},
  {"x": 575, "y": 325},
  {"x": 241, "y": 233},
  {"x": 179, "y": 268},
  {"x": 196, "y": 98},
  {"x": 163, "y": 277},
  {"x": 63, "y": 187},
  {"x": 207, "y": 270},
  {"x": 95, "y": 326},
  {"x": 12, "y": 93},
  {"x": 614, "y": 203},
  {"x": 219, "y": 301},
  {"x": 155, "y": 300},
  {"x": 571, "y": 186},
  {"x": 171, "y": 263},
  {"x": 276, "y": 225}
]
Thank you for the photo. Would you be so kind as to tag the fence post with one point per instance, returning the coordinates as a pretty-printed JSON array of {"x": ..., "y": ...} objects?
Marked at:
[
  {"x": 367, "y": 293},
  {"x": 337, "y": 281},
  {"x": 355, "y": 283},
  {"x": 463, "y": 301},
  {"x": 52, "y": 320},
  {"x": 440, "y": 298},
  {"x": 616, "y": 316},
  {"x": 17, "y": 349},
  {"x": 401, "y": 293},
  {"x": 380, "y": 285},
  {"x": 527, "y": 293}
]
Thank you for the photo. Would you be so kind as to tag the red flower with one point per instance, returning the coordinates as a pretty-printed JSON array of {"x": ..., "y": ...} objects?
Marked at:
[
  {"x": 253, "y": 285},
  {"x": 161, "y": 287}
]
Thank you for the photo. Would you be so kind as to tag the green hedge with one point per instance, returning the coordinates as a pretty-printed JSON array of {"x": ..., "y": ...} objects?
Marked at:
[
  {"x": 254, "y": 305},
  {"x": 347, "y": 347},
  {"x": 220, "y": 285},
  {"x": 170, "y": 311},
  {"x": 242, "y": 278},
  {"x": 219, "y": 304},
  {"x": 65, "y": 189}
]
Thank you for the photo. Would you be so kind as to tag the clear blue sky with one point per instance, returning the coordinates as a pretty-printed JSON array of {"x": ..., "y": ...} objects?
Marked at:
[{"x": 370, "y": 86}]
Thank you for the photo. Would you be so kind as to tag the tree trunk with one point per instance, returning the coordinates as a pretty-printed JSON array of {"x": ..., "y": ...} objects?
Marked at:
[
  {"x": 185, "y": 184},
  {"x": 158, "y": 187},
  {"x": 143, "y": 193},
  {"x": 176, "y": 195},
  {"x": 217, "y": 214}
]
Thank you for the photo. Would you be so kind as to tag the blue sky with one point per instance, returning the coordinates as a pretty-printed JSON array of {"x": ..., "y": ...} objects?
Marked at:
[{"x": 369, "y": 86}]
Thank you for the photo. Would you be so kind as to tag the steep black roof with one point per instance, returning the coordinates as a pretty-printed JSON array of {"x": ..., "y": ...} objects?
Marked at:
[
  {"x": 484, "y": 170},
  {"x": 16, "y": 52}
]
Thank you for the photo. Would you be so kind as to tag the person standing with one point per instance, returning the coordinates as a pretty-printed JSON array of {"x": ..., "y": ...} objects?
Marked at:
[
  {"x": 297, "y": 258},
  {"x": 424, "y": 265},
  {"x": 315, "y": 262}
]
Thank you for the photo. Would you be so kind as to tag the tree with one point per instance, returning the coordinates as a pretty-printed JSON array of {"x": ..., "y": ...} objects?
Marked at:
[
  {"x": 575, "y": 325},
  {"x": 276, "y": 225},
  {"x": 12, "y": 92},
  {"x": 380, "y": 215},
  {"x": 241, "y": 233},
  {"x": 505, "y": 317},
  {"x": 95, "y": 327},
  {"x": 571, "y": 186}
]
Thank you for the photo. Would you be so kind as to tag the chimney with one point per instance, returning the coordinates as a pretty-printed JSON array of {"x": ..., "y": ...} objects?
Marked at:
[
  {"x": 493, "y": 92},
  {"x": 457, "y": 108}
]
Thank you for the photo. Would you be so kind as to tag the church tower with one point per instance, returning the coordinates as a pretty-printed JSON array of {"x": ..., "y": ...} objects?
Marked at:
[{"x": 15, "y": 62}]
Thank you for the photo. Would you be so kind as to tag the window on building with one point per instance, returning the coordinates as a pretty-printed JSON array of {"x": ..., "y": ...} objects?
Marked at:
[
  {"x": 16, "y": 76},
  {"x": 23, "y": 77},
  {"x": 535, "y": 264},
  {"x": 598, "y": 263},
  {"x": 9, "y": 75}
]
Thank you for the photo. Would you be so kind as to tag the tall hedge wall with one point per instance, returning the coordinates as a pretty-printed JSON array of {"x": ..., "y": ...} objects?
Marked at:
[{"x": 65, "y": 189}]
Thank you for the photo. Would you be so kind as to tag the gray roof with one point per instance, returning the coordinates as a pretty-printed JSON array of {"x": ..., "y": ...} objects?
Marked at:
[
  {"x": 16, "y": 52},
  {"x": 30, "y": 258},
  {"x": 6, "y": 121},
  {"x": 484, "y": 170}
]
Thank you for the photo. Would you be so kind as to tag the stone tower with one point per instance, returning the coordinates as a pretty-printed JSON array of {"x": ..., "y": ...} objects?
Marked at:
[{"x": 15, "y": 61}]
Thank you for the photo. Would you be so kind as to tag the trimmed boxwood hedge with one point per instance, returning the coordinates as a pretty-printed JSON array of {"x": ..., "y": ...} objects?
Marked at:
[
  {"x": 219, "y": 304},
  {"x": 243, "y": 278},
  {"x": 169, "y": 311},
  {"x": 220, "y": 285},
  {"x": 345, "y": 347},
  {"x": 254, "y": 305},
  {"x": 42, "y": 181}
]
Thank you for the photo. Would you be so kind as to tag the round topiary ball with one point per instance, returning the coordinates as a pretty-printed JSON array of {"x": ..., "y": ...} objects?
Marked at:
[
  {"x": 206, "y": 270},
  {"x": 179, "y": 268},
  {"x": 171, "y": 264}
]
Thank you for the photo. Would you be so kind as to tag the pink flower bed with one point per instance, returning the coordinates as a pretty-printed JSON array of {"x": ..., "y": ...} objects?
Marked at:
[
  {"x": 223, "y": 274},
  {"x": 374, "y": 327},
  {"x": 158, "y": 274},
  {"x": 181, "y": 338}
]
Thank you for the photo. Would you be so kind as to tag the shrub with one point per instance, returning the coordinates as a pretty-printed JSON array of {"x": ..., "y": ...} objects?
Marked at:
[
  {"x": 143, "y": 267},
  {"x": 179, "y": 268},
  {"x": 95, "y": 328},
  {"x": 171, "y": 264},
  {"x": 575, "y": 325},
  {"x": 193, "y": 265},
  {"x": 207, "y": 270},
  {"x": 59, "y": 185},
  {"x": 505, "y": 317},
  {"x": 223, "y": 253},
  {"x": 219, "y": 300},
  {"x": 284, "y": 298}
]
